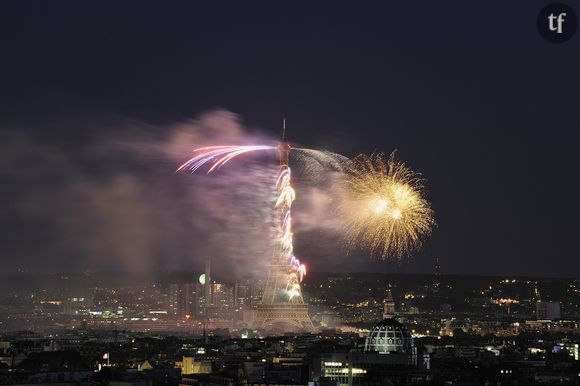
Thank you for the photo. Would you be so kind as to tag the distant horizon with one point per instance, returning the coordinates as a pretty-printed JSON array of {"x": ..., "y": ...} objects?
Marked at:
[{"x": 328, "y": 273}]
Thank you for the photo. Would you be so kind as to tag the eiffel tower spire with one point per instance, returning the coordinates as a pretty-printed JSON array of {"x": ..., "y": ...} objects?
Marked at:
[{"x": 284, "y": 147}]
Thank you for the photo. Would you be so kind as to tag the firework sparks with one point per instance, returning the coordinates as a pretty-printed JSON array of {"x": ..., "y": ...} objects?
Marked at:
[
  {"x": 315, "y": 164},
  {"x": 293, "y": 289},
  {"x": 387, "y": 213},
  {"x": 218, "y": 156},
  {"x": 214, "y": 157},
  {"x": 286, "y": 196}
]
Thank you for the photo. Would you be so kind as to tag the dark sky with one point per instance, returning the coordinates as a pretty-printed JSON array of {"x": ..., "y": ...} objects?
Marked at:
[{"x": 467, "y": 92}]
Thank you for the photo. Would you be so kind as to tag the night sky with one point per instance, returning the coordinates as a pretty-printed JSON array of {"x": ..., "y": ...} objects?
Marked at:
[{"x": 468, "y": 93}]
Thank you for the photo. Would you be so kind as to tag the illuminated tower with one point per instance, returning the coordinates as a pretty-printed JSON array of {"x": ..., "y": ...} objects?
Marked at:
[
  {"x": 537, "y": 295},
  {"x": 207, "y": 294},
  {"x": 436, "y": 273},
  {"x": 282, "y": 308},
  {"x": 284, "y": 148},
  {"x": 388, "y": 306}
]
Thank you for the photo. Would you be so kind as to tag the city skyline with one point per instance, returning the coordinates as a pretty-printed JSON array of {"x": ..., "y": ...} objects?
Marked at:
[{"x": 277, "y": 193}]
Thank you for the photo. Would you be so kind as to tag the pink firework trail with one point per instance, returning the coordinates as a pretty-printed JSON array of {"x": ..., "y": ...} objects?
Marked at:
[
  {"x": 214, "y": 157},
  {"x": 218, "y": 156}
]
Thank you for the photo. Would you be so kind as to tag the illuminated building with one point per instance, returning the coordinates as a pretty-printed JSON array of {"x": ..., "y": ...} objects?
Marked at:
[
  {"x": 368, "y": 368},
  {"x": 450, "y": 325},
  {"x": 243, "y": 296},
  {"x": 436, "y": 273},
  {"x": 183, "y": 299},
  {"x": 389, "y": 353},
  {"x": 174, "y": 298},
  {"x": 548, "y": 310},
  {"x": 389, "y": 335},
  {"x": 222, "y": 296},
  {"x": 189, "y": 365},
  {"x": 207, "y": 285},
  {"x": 191, "y": 298},
  {"x": 78, "y": 303},
  {"x": 567, "y": 347}
]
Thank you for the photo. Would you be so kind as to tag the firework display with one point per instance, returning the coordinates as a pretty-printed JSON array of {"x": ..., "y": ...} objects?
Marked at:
[
  {"x": 286, "y": 196},
  {"x": 218, "y": 156},
  {"x": 386, "y": 212},
  {"x": 383, "y": 211},
  {"x": 316, "y": 164}
]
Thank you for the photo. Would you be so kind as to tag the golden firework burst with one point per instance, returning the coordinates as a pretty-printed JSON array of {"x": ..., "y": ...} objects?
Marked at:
[{"x": 386, "y": 211}]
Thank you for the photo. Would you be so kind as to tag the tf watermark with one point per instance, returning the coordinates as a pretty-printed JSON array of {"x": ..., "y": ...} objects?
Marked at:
[{"x": 557, "y": 22}]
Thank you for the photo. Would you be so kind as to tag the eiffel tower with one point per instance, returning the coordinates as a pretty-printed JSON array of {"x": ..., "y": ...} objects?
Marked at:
[{"x": 282, "y": 308}]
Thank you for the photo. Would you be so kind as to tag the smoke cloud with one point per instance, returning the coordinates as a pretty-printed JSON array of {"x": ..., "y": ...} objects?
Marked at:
[{"x": 113, "y": 202}]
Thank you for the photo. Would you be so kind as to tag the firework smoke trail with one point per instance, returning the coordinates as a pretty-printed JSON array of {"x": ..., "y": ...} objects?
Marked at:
[
  {"x": 386, "y": 213},
  {"x": 217, "y": 156}
]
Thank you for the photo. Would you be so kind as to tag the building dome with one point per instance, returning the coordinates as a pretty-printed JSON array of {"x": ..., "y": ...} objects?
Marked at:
[{"x": 389, "y": 336}]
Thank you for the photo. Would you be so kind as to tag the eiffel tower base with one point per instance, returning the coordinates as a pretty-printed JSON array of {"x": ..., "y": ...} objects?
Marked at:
[{"x": 282, "y": 318}]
